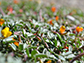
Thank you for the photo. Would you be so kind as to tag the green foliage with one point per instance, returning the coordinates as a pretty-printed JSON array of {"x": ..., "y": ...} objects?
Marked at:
[{"x": 38, "y": 40}]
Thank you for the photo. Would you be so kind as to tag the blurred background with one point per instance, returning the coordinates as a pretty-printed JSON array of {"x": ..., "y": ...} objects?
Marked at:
[
  {"x": 67, "y": 3},
  {"x": 79, "y": 4}
]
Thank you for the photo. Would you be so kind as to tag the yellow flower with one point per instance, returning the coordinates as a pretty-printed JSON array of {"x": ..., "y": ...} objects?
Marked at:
[
  {"x": 5, "y": 32},
  {"x": 1, "y": 21},
  {"x": 62, "y": 29},
  {"x": 49, "y": 61}
]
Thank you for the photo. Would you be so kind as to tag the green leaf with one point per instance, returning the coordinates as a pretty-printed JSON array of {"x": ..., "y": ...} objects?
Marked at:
[
  {"x": 71, "y": 34},
  {"x": 27, "y": 51},
  {"x": 33, "y": 53},
  {"x": 37, "y": 26},
  {"x": 33, "y": 47},
  {"x": 25, "y": 35},
  {"x": 63, "y": 41},
  {"x": 21, "y": 47},
  {"x": 10, "y": 41},
  {"x": 77, "y": 45},
  {"x": 59, "y": 37},
  {"x": 79, "y": 42},
  {"x": 20, "y": 25},
  {"x": 13, "y": 46},
  {"x": 41, "y": 55},
  {"x": 81, "y": 50},
  {"x": 61, "y": 57},
  {"x": 55, "y": 42},
  {"x": 53, "y": 53}
]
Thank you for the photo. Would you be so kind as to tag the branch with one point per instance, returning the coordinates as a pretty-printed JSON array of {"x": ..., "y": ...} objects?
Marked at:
[{"x": 75, "y": 58}]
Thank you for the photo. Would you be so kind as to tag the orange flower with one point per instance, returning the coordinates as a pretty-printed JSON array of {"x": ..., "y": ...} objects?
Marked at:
[
  {"x": 49, "y": 61},
  {"x": 53, "y": 9},
  {"x": 16, "y": 43},
  {"x": 79, "y": 29},
  {"x": 66, "y": 47},
  {"x": 56, "y": 18},
  {"x": 1, "y": 21},
  {"x": 50, "y": 22},
  {"x": 15, "y": 1},
  {"x": 62, "y": 29}
]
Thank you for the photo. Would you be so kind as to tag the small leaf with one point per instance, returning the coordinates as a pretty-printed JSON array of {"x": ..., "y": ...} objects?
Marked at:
[
  {"x": 55, "y": 42},
  {"x": 79, "y": 42},
  {"x": 13, "y": 46},
  {"x": 70, "y": 56},
  {"x": 71, "y": 34},
  {"x": 33, "y": 53},
  {"x": 33, "y": 47},
  {"x": 27, "y": 51},
  {"x": 21, "y": 47},
  {"x": 62, "y": 58},
  {"x": 59, "y": 37},
  {"x": 41, "y": 55},
  {"x": 81, "y": 50}
]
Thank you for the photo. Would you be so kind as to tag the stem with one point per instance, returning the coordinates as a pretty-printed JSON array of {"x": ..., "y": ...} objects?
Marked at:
[
  {"x": 6, "y": 57},
  {"x": 2, "y": 11}
]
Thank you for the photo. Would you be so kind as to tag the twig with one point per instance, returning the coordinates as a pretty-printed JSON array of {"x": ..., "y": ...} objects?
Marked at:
[
  {"x": 2, "y": 11},
  {"x": 54, "y": 32},
  {"x": 75, "y": 58},
  {"x": 19, "y": 38},
  {"x": 40, "y": 14}
]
